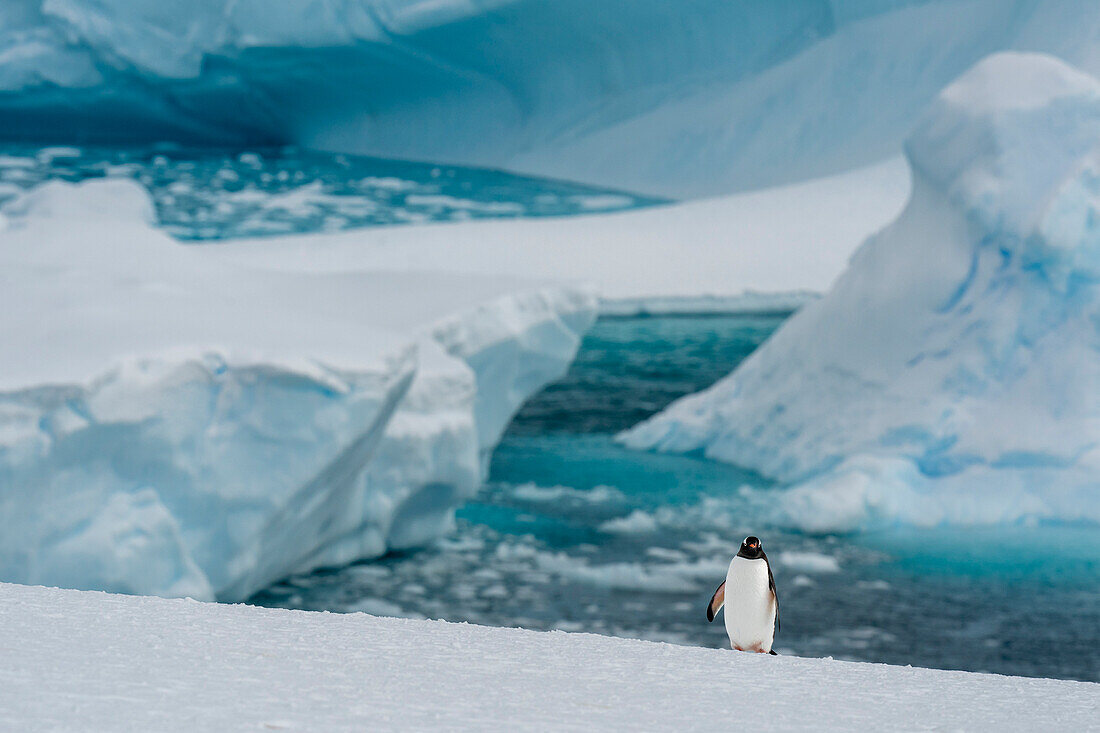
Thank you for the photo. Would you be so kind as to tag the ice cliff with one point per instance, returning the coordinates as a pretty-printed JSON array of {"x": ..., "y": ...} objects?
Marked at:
[
  {"x": 678, "y": 98},
  {"x": 177, "y": 422},
  {"x": 952, "y": 375}
]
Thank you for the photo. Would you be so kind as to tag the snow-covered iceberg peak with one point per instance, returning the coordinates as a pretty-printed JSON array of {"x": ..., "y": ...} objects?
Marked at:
[
  {"x": 952, "y": 375},
  {"x": 1002, "y": 139}
]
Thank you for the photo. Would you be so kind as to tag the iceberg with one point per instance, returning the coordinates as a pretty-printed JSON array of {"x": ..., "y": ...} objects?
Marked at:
[
  {"x": 174, "y": 421},
  {"x": 676, "y": 99},
  {"x": 952, "y": 374}
]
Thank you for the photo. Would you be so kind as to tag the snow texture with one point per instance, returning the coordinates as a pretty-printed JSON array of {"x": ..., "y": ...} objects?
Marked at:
[
  {"x": 952, "y": 375},
  {"x": 173, "y": 422},
  {"x": 683, "y": 99},
  {"x": 93, "y": 661},
  {"x": 764, "y": 250}
]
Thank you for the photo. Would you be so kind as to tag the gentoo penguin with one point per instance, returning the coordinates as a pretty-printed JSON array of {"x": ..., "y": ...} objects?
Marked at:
[{"x": 752, "y": 607}]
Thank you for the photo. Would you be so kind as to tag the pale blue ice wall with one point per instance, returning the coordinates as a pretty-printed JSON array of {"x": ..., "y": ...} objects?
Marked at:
[
  {"x": 952, "y": 373},
  {"x": 679, "y": 98}
]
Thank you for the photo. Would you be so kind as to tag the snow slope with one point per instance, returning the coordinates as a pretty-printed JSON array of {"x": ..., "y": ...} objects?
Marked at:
[
  {"x": 177, "y": 424},
  {"x": 766, "y": 249},
  {"x": 681, "y": 99},
  {"x": 92, "y": 661},
  {"x": 952, "y": 375}
]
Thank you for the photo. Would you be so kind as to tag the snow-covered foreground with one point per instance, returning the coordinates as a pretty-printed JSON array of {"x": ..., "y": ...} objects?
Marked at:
[
  {"x": 77, "y": 660},
  {"x": 174, "y": 423},
  {"x": 953, "y": 373},
  {"x": 758, "y": 250}
]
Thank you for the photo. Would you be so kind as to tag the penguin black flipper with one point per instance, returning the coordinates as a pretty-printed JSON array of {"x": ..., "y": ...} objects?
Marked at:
[
  {"x": 771, "y": 587},
  {"x": 716, "y": 601}
]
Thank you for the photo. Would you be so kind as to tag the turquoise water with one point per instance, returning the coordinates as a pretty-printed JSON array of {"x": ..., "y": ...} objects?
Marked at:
[
  {"x": 575, "y": 532},
  {"x": 206, "y": 194}
]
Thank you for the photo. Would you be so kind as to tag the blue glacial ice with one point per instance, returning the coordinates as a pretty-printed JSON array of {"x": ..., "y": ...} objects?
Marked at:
[
  {"x": 952, "y": 374},
  {"x": 672, "y": 98},
  {"x": 175, "y": 421}
]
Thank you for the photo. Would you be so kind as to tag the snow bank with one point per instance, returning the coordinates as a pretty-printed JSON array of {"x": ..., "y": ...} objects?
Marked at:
[
  {"x": 682, "y": 99},
  {"x": 763, "y": 250},
  {"x": 92, "y": 661},
  {"x": 952, "y": 375},
  {"x": 173, "y": 422}
]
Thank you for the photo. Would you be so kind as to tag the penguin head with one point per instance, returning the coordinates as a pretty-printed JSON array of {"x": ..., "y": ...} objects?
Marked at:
[{"x": 751, "y": 548}]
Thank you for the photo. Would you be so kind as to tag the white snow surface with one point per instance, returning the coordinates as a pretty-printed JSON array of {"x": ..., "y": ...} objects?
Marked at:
[
  {"x": 173, "y": 422},
  {"x": 772, "y": 249},
  {"x": 952, "y": 375},
  {"x": 92, "y": 661},
  {"x": 689, "y": 98}
]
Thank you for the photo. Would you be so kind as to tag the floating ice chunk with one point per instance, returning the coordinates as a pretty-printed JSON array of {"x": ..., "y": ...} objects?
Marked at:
[
  {"x": 808, "y": 562},
  {"x": 555, "y": 494},
  {"x": 112, "y": 199},
  {"x": 637, "y": 522},
  {"x": 657, "y": 578}
]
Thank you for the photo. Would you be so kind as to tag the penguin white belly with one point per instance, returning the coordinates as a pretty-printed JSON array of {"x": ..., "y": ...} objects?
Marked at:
[{"x": 750, "y": 605}]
